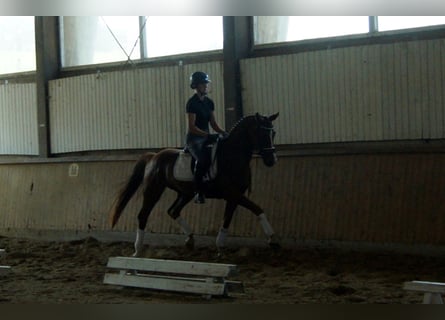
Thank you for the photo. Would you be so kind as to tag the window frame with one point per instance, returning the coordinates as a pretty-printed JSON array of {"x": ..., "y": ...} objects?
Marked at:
[
  {"x": 144, "y": 60},
  {"x": 28, "y": 76},
  {"x": 372, "y": 37},
  {"x": 11, "y": 75}
]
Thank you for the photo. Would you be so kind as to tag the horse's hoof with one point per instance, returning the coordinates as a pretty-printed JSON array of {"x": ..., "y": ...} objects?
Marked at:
[
  {"x": 274, "y": 243},
  {"x": 275, "y": 246},
  {"x": 220, "y": 253},
  {"x": 138, "y": 251},
  {"x": 190, "y": 242}
]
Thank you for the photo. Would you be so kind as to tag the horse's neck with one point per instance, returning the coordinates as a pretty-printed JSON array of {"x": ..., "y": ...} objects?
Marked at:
[
  {"x": 236, "y": 147},
  {"x": 239, "y": 134}
]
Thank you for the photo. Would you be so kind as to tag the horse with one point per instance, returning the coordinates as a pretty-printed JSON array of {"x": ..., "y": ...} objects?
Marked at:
[{"x": 253, "y": 134}]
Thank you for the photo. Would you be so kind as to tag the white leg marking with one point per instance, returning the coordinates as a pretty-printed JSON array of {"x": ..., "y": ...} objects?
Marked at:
[
  {"x": 184, "y": 226},
  {"x": 268, "y": 230},
  {"x": 139, "y": 243},
  {"x": 221, "y": 238}
]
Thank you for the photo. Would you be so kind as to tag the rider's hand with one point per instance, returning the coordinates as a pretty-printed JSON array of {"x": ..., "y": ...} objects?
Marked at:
[
  {"x": 223, "y": 135},
  {"x": 212, "y": 138}
]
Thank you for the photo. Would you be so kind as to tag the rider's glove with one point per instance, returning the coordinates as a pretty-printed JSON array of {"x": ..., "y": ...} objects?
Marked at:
[{"x": 212, "y": 138}]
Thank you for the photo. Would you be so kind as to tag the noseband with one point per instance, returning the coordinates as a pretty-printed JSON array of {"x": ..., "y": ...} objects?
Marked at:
[{"x": 271, "y": 148}]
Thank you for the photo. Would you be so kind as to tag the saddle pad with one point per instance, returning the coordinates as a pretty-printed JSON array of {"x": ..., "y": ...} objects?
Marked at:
[{"x": 182, "y": 169}]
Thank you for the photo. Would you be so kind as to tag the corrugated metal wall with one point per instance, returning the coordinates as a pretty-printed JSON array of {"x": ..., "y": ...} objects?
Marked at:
[
  {"x": 365, "y": 93},
  {"x": 142, "y": 108},
  {"x": 18, "y": 119}
]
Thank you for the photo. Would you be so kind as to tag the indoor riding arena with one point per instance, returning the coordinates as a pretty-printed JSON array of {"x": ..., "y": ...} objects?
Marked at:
[{"x": 355, "y": 201}]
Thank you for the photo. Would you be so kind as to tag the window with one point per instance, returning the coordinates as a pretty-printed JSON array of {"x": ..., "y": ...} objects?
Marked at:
[
  {"x": 92, "y": 40},
  {"x": 17, "y": 48},
  {"x": 301, "y": 28},
  {"x": 175, "y": 35},
  {"x": 272, "y": 29},
  {"x": 386, "y": 23},
  {"x": 293, "y": 28}
]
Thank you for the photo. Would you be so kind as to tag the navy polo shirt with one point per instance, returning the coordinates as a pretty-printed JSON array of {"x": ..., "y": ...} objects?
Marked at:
[{"x": 202, "y": 109}]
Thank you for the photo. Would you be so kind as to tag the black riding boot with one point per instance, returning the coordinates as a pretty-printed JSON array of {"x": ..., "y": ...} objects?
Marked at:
[{"x": 200, "y": 185}]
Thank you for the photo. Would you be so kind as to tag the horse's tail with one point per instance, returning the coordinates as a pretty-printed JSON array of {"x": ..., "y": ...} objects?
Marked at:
[{"x": 130, "y": 188}]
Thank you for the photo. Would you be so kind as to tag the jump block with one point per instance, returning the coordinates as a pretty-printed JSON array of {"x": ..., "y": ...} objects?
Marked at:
[
  {"x": 432, "y": 290},
  {"x": 208, "y": 279},
  {"x": 4, "y": 269}
]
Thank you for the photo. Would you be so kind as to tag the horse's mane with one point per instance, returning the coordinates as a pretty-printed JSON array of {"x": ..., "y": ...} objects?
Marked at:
[{"x": 240, "y": 122}]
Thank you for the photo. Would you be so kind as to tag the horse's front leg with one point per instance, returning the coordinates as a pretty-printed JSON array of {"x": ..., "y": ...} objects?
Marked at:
[
  {"x": 224, "y": 230},
  {"x": 273, "y": 239}
]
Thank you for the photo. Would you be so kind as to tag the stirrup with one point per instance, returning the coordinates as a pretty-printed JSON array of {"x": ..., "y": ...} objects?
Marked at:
[{"x": 200, "y": 198}]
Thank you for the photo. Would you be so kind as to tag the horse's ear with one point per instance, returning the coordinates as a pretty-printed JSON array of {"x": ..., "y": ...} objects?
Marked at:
[
  {"x": 257, "y": 116},
  {"x": 274, "y": 116}
]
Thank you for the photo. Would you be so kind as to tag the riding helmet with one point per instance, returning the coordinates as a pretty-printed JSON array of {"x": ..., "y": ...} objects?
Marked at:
[{"x": 198, "y": 77}]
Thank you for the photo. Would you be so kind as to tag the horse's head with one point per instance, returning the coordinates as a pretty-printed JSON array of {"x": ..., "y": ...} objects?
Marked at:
[{"x": 263, "y": 138}]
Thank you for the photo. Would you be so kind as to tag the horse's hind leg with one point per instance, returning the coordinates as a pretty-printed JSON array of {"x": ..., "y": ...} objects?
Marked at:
[
  {"x": 151, "y": 197},
  {"x": 174, "y": 212}
]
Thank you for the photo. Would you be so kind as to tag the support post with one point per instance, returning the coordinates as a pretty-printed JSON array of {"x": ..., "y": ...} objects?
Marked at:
[
  {"x": 238, "y": 43},
  {"x": 47, "y": 68},
  {"x": 373, "y": 24}
]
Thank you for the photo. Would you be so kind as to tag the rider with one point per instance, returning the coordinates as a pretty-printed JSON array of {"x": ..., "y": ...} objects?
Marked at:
[{"x": 200, "y": 113}]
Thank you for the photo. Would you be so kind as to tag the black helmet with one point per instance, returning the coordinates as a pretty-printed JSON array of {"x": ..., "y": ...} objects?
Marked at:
[{"x": 198, "y": 77}]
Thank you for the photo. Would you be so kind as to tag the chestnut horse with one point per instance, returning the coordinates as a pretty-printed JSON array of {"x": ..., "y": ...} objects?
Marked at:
[{"x": 252, "y": 134}]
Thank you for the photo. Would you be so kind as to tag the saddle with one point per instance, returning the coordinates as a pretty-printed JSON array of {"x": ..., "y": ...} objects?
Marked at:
[{"x": 185, "y": 163}]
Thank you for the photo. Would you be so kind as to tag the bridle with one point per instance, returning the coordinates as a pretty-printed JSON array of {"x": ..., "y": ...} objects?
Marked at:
[{"x": 265, "y": 150}]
